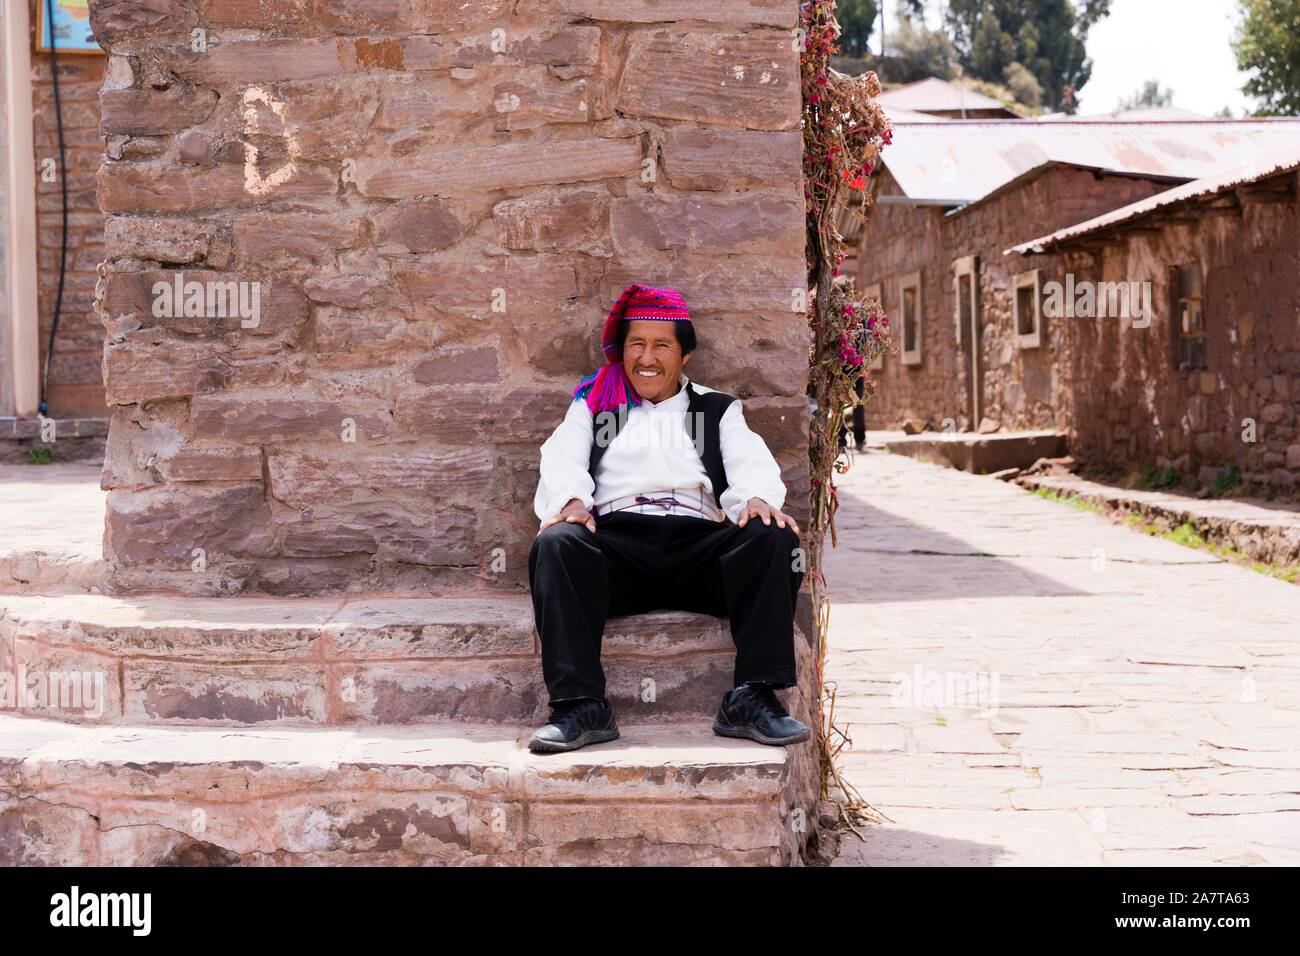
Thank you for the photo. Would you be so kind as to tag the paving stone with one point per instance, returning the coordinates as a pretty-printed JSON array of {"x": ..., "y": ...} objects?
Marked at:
[{"x": 1135, "y": 737}]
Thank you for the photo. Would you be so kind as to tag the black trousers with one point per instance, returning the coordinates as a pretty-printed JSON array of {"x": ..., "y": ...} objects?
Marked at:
[{"x": 636, "y": 563}]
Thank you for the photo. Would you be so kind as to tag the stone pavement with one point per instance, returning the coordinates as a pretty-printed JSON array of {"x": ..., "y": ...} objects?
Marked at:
[
  {"x": 1026, "y": 683},
  {"x": 51, "y": 525}
]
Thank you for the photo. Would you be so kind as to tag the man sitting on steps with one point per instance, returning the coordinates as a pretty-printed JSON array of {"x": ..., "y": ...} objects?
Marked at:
[{"x": 637, "y": 484}]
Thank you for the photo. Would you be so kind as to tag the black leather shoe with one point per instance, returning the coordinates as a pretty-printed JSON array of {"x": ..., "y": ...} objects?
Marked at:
[
  {"x": 575, "y": 724},
  {"x": 756, "y": 714}
]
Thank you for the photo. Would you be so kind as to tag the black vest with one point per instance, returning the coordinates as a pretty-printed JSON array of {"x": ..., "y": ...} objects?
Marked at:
[{"x": 703, "y": 410}]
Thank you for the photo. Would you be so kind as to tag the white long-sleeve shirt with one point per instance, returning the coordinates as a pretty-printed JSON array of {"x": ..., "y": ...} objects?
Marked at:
[{"x": 653, "y": 452}]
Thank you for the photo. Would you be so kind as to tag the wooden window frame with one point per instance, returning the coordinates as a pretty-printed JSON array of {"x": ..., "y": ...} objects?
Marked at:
[
  {"x": 1027, "y": 280},
  {"x": 910, "y": 281},
  {"x": 876, "y": 291},
  {"x": 1176, "y": 300},
  {"x": 966, "y": 268}
]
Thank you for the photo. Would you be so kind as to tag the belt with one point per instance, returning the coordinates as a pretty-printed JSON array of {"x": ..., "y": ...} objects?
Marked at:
[{"x": 690, "y": 503}]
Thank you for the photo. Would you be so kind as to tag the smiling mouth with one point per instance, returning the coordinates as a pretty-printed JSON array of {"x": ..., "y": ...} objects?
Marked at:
[{"x": 644, "y": 373}]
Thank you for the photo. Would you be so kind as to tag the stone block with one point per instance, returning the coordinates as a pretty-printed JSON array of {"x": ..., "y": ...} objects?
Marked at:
[
  {"x": 466, "y": 170},
  {"x": 146, "y": 366},
  {"x": 418, "y": 226},
  {"x": 522, "y": 415},
  {"x": 757, "y": 225},
  {"x": 154, "y": 112},
  {"x": 731, "y": 80},
  {"x": 134, "y": 188},
  {"x": 215, "y": 463},
  {"x": 184, "y": 692},
  {"x": 478, "y": 366},
  {"x": 257, "y": 419},
  {"x": 766, "y": 13},
  {"x": 166, "y": 524},
  {"x": 336, "y": 476},
  {"x": 116, "y": 20},
  {"x": 717, "y": 160},
  {"x": 576, "y": 220}
]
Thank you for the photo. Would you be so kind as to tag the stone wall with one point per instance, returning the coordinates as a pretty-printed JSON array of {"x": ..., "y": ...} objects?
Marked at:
[
  {"x": 1132, "y": 408},
  {"x": 76, "y": 381},
  {"x": 437, "y": 203}
]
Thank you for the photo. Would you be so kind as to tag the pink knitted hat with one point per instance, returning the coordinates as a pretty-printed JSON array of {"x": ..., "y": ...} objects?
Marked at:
[{"x": 607, "y": 388}]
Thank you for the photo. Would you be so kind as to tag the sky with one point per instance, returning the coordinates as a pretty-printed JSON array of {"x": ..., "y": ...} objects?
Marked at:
[{"x": 1185, "y": 44}]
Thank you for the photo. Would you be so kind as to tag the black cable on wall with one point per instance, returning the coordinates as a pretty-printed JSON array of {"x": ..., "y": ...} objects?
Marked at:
[{"x": 63, "y": 184}]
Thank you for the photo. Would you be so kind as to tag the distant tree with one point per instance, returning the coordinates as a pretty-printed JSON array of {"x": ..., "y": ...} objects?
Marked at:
[
  {"x": 1023, "y": 85},
  {"x": 1149, "y": 95},
  {"x": 1225, "y": 113},
  {"x": 915, "y": 52},
  {"x": 857, "y": 19},
  {"x": 1048, "y": 38},
  {"x": 1267, "y": 45}
]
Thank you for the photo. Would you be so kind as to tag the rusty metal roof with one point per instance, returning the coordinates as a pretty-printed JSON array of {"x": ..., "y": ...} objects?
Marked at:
[
  {"x": 1229, "y": 176},
  {"x": 933, "y": 94},
  {"x": 964, "y": 160},
  {"x": 1145, "y": 114}
]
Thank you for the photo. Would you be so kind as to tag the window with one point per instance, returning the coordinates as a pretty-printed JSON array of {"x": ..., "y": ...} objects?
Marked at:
[
  {"x": 874, "y": 292},
  {"x": 1189, "y": 318},
  {"x": 909, "y": 316},
  {"x": 965, "y": 290},
  {"x": 1027, "y": 309}
]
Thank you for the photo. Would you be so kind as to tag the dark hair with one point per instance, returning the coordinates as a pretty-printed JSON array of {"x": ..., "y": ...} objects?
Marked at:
[{"x": 683, "y": 329}]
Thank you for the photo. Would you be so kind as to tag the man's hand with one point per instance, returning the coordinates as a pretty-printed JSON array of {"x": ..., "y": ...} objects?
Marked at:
[
  {"x": 758, "y": 508},
  {"x": 575, "y": 511}
]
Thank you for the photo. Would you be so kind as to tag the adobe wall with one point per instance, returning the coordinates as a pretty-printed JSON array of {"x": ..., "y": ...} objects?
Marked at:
[
  {"x": 1019, "y": 387},
  {"x": 1133, "y": 408},
  {"x": 440, "y": 202}
]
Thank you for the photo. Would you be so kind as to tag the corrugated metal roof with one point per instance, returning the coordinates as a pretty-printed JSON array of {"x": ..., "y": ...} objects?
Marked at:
[
  {"x": 964, "y": 160},
  {"x": 1148, "y": 114},
  {"x": 899, "y": 115},
  {"x": 1228, "y": 177},
  {"x": 933, "y": 94}
]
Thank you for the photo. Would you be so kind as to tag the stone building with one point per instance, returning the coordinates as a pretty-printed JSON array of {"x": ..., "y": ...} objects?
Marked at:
[
  {"x": 1210, "y": 377},
  {"x": 952, "y": 198},
  {"x": 939, "y": 99},
  {"x": 356, "y": 254}
]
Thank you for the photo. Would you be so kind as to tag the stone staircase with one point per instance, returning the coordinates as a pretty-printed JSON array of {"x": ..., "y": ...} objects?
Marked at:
[{"x": 145, "y": 729}]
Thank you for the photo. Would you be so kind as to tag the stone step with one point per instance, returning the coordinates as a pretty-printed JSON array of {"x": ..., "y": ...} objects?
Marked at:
[
  {"x": 298, "y": 661},
  {"x": 431, "y": 793},
  {"x": 980, "y": 454}
]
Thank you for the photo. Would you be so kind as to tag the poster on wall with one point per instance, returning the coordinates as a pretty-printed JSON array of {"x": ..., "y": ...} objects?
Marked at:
[{"x": 70, "y": 24}]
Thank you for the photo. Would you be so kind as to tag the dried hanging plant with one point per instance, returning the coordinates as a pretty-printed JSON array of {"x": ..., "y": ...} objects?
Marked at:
[{"x": 844, "y": 130}]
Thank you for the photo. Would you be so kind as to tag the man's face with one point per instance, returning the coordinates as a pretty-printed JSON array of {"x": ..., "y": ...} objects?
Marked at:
[{"x": 652, "y": 358}]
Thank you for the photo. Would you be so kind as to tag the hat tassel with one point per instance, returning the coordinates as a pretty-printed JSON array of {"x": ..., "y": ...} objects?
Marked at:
[{"x": 606, "y": 389}]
